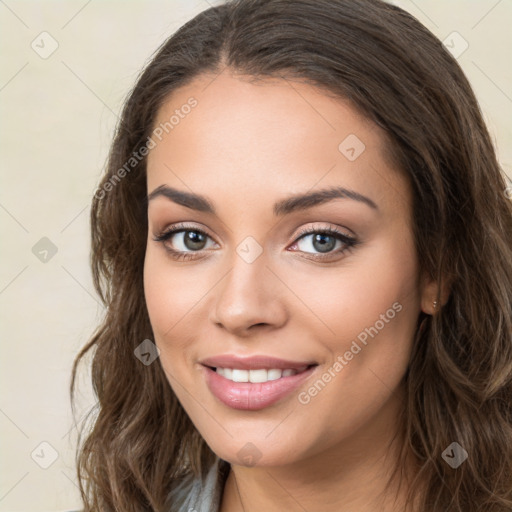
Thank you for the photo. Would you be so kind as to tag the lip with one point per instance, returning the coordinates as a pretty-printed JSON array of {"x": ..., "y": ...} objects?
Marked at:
[
  {"x": 253, "y": 396},
  {"x": 253, "y": 362}
]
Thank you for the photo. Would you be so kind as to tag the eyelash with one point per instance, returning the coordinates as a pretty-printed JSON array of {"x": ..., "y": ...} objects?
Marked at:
[{"x": 349, "y": 241}]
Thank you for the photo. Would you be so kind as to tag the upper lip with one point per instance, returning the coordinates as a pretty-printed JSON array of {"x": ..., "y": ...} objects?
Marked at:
[{"x": 253, "y": 362}]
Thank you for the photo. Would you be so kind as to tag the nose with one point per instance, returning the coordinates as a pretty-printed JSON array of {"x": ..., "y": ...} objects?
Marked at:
[{"x": 250, "y": 297}]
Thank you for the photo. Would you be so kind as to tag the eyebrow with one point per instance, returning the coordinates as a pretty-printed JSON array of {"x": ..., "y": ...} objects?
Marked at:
[{"x": 282, "y": 207}]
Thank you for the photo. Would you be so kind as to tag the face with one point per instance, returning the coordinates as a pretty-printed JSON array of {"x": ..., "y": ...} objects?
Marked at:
[{"x": 315, "y": 302}]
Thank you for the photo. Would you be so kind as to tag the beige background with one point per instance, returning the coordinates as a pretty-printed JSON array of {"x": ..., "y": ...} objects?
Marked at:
[{"x": 57, "y": 118}]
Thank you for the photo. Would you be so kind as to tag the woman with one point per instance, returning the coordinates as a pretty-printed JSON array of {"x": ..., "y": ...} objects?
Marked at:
[{"x": 303, "y": 243}]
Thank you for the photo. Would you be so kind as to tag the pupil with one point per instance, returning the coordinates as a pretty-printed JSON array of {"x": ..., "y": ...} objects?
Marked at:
[
  {"x": 324, "y": 246},
  {"x": 194, "y": 240}
]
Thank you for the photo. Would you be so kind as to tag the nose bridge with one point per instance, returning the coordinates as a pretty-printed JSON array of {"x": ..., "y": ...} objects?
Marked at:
[{"x": 249, "y": 293}]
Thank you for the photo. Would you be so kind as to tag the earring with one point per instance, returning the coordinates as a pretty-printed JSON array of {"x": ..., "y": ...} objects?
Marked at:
[{"x": 435, "y": 305}]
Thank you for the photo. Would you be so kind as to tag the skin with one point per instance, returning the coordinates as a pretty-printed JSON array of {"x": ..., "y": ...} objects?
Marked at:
[{"x": 245, "y": 146}]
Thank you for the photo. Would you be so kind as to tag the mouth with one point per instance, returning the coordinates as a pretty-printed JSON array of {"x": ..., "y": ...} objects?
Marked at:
[{"x": 256, "y": 388}]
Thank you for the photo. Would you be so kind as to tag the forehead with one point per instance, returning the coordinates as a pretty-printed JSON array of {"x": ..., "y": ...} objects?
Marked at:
[{"x": 225, "y": 132}]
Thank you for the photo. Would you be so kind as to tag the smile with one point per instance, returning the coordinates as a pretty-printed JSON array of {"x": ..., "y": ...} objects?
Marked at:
[{"x": 257, "y": 388}]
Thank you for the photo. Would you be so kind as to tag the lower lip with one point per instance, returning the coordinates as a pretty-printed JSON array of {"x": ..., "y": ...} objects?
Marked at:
[{"x": 253, "y": 396}]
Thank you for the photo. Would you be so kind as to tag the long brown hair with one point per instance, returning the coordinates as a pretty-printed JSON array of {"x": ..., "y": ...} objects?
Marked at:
[{"x": 399, "y": 75}]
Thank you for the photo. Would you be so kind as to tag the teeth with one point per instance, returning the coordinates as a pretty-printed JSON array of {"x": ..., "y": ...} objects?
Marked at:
[
  {"x": 240, "y": 375},
  {"x": 274, "y": 374},
  {"x": 257, "y": 376}
]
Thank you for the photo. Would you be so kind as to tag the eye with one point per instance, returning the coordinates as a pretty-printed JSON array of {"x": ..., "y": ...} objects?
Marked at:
[
  {"x": 325, "y": 241},
  {"x": 188, "y": 239}
]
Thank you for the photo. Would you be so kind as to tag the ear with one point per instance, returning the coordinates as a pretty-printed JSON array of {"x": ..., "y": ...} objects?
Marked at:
[{"x": 429, "y": 293}]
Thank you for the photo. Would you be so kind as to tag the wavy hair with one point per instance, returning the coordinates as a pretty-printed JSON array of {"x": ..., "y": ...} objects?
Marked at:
[{"x": 459, "y": 381}]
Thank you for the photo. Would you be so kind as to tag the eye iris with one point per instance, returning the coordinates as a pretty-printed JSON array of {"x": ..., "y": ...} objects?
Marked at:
[
  {"x": 194, "y": 240},
  {"x": 324, "y": 246}
]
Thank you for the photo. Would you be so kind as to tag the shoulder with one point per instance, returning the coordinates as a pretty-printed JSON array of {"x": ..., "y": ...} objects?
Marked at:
[{"x": 192, "y": 493}]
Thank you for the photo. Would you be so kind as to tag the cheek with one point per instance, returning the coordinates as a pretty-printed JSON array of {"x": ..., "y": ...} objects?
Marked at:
[
  {"x": 362, "y": 288},
  {"x": 170, "y": 293},
  {"x": 158, "y": 292},
  {"x": 374, "y": 298},
  {"x": 166, "y": 301},
  {"x": 168, "y": 298},
  {"x": 371, "y": 309},
  {"x": 174, "y": 297}
]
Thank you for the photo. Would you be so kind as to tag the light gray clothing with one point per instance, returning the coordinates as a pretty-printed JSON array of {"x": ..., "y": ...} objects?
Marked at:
[{"x": 194, "y": 495}]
